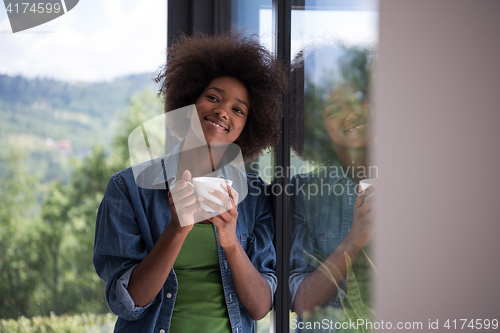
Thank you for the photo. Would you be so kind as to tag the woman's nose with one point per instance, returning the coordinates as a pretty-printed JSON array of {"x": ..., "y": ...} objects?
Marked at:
[
  {"x": 351, "y": 116},
  {"x": 221, "y": 112}
]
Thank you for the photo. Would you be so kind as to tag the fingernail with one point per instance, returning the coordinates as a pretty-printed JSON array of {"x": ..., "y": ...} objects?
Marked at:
[
  {"x": 200, "y": 199},
  {"x": 210, "y": 191}
]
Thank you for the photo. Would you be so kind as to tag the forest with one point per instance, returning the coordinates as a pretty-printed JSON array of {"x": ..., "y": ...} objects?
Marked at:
[{"x": 61, "y": 142}]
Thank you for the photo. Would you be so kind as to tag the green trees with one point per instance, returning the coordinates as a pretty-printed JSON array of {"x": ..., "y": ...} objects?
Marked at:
[
  {"x": 46, "y": 245},
  {"x": 143, "y": 106},
  {"x": 67, "y": 234},
  {"x": 18, "y": 253}
]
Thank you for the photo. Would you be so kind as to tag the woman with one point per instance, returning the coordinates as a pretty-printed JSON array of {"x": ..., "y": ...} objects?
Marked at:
[{"x": 161, "y": 277}]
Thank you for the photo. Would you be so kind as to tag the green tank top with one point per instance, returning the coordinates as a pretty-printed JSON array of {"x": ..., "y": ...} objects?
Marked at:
[{"x": 199, "y": 305}]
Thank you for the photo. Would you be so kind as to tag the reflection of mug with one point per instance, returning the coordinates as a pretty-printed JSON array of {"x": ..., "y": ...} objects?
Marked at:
[
  {"x": 203, "y": 184},
  {"x": 365, "y": 183}
]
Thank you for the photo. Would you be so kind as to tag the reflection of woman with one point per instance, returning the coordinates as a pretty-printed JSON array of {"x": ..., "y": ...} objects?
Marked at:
[
  {"x": 329, "y": 219},
  {"x": 216, "y": 276}
]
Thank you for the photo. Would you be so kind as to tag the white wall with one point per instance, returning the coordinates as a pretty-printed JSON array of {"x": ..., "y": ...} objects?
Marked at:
[{"x": 437, "y": 128}]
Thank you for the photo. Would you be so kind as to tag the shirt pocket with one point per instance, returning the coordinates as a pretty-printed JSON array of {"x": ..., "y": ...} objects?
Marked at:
[{"x": 246, "y": 240}]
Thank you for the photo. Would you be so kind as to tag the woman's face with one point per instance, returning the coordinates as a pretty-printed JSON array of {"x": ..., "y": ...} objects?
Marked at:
[
  {"x": 346, "y": 118},
  {"x": 223, "y": 109}
]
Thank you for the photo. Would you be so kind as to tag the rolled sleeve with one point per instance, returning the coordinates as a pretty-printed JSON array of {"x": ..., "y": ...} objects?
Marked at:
[
  {"x": 124, "y": 297},
  {"x": 261, "y": 252},
  {"x": 272, "y": 280}
]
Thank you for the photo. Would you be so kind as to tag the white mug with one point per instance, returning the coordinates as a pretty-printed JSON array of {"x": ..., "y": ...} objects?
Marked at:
[
  {"x": 365, "y": 183},
  {"x": 203, "y": 184}
]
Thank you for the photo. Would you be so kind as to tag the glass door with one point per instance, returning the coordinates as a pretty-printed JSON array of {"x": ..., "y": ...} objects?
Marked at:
[
  {"x": 333, "y": 47},
  {"x": 329, "y": 49}
]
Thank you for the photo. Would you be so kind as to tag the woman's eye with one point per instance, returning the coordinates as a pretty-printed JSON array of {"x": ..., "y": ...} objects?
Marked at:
[
  {"x": 334, "y": 111},
  {"x": 240, "y": 111},
  {"x": 213, "y": 98}
]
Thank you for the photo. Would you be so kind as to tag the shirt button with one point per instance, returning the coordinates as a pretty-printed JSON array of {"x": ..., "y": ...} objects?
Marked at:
[
  {"x": 168, "y": 296},
  {"x": 162, "y": 331}
]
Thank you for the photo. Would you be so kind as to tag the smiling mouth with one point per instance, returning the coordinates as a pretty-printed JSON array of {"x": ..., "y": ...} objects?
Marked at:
[
  {"x": 217, "y": 124},
  {"x": 355, "y": 126}
]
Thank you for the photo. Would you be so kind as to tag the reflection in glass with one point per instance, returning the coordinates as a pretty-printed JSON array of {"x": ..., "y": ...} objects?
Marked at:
[
  {"x": 330, "y": 266},
  {"x": 331, "y": 224}
]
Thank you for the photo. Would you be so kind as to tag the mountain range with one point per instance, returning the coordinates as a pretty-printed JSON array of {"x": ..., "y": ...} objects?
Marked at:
[{"x": 49, "y": 122}]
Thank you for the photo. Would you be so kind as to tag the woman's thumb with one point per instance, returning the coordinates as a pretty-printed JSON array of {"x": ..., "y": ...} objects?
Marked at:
[{"x": 186, "y": 176}]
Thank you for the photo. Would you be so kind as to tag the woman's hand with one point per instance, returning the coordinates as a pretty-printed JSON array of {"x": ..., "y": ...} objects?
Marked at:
[
  {"x": 183, "y": 204},
  {"x": 362, "y": 224},
  {"x": 227, "y": 215}
]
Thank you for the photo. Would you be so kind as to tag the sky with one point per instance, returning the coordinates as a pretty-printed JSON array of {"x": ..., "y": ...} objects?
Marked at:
[
  {"x": 102, "y": 40},
  {"x": 320, "y": 27},
  {"x": 95, "y": 41}
]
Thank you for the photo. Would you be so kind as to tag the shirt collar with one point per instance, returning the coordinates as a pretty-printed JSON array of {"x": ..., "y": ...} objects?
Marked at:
[
  {"x": 169, "y": 163},
  {"x": 169, "y": 166}
]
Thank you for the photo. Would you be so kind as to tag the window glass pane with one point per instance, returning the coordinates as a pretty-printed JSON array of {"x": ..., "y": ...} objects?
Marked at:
[
  {"x": 71, "y": 91},
  {"x": 333, "y": 49},
  {"x": 254, "y": 18}
]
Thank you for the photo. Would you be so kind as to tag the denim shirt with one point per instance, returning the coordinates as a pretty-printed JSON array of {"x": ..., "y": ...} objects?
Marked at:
[
  {"x": 130, "y": 220},
  {"x": 322, "y": 213}
]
